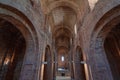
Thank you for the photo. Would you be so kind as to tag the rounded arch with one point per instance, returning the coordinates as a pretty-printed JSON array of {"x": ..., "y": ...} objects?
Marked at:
[
  {"x": 60, "y": 31},
  {"x": 101, "y": 47},
  {"x": 62, "y": 11},
  {"x": 18, "y": 19},
  {"x": 106, "y": 18},
  {"x": 22, "y": 23},
  {"x": 47, "y": 65},
  {"x": 13, "y": 46},
  {"x": 69, "y": 4},
  {"x": 111, "y": 46},
  {"x": 14, "y": 13},
  {"x": 79, "y": 71},
  {"x": 103, "y": 27}
]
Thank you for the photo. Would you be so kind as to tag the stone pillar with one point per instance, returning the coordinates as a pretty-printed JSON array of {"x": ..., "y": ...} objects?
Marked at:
[
  {"x": 71, "y": 66},
  {"x": 55, "y": 66},
  {"x": 28, "y": 68},
  {"x": 98, "y": 60},
  {"x": 79, "y": 67}
]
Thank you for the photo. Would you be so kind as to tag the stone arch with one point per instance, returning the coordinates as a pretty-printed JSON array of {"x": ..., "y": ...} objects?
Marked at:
[
  {"x": 111, "y": 47},
  {"x": 108, "y": 16},
  {"x": 47, "y": 64},
  {"x": 22, "y": 23},
  {"x": 13, "y": 46},
  {"x": 69, "y": 4},
  {"x": 99, "y": 56},
  {"x": 65, "y": 23},
  {"x": 66, "y": 31},
  {"x": 79, "y": 71}
]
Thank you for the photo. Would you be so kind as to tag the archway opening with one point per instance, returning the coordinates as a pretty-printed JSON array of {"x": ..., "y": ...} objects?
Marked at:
[
  {"x": 12, "y": 50},
  {"x": 100, "y": 37},
  {"x": 62, "y": 48},
  {"x": 48, "y": 72},
  {"x": 79, "y": 71},
  {"x": 112, "y": 49},
  {"x": 63, "y": 62}
]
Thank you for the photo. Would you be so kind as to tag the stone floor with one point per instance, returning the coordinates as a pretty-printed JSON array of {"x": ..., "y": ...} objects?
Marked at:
[{"x": 63, "y": 78}]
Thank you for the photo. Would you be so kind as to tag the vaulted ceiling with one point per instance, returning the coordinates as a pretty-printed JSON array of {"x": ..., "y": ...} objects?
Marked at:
[{"x": 62, "y": 15}]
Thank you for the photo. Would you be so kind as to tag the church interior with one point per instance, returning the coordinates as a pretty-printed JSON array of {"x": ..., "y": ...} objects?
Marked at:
[{"x": 59, "y": 39}]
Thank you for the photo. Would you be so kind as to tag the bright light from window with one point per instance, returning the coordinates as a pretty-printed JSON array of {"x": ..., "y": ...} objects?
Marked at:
[
  {"x": 6, "y": 61},
  {"x": 92, "y": 3},
  {"x": 75, "y": 29},
  {"x": 62, "y": 58}
]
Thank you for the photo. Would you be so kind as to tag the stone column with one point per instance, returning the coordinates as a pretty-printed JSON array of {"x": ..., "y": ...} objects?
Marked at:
[
  {"x": 98, "y": 61},
  {"x": 28, "y": 68}
]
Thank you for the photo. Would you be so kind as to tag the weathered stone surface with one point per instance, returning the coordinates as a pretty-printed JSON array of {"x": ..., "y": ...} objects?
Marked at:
[{"x": 63, "y": 25}]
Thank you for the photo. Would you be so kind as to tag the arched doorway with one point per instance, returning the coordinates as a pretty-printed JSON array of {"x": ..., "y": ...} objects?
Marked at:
[
  {"x": 112, "y": 49},
  {"x": 105, "y": 37},
  {"x": 107, "y": 51},
  {"x": 12, "y": 50},
  {"x": 30, "y": 68},
  {"x": 79, "y": 71},
  {"x": 47, "y": 62},
  {"x": 63, "y": 54}
]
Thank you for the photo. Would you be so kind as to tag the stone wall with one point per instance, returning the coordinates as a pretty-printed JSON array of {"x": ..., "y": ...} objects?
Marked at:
[
  {"x": 29, "y": 18},
  {"x": 89, "y": 31}
]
